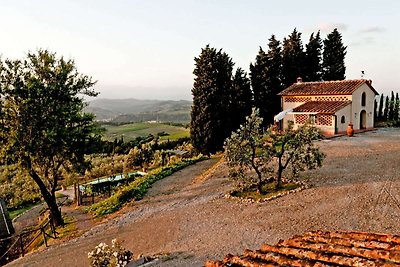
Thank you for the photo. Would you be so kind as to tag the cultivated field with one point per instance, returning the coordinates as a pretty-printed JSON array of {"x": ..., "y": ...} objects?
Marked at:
[
  {"x": 134, "y": 130},
  {"x": 186, "y": 217}
]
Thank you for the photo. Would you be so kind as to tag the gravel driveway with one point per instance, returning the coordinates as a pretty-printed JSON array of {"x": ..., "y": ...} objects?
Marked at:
[{"x": 358, "y": 188}]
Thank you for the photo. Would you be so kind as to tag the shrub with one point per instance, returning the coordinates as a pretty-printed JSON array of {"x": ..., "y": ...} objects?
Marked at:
[{"x": 114, "y": 256}]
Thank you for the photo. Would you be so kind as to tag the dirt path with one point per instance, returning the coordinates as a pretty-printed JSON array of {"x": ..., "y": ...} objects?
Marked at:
[{"x": 358, "y": 188}]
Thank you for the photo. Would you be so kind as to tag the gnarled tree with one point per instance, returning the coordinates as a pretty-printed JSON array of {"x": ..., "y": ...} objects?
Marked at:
[
  {"x": 244, "y": 153},
  {"x": 294, "y": 148},
  {"x": 42, "y": 125},
  {"x": 250, "y": 150}
]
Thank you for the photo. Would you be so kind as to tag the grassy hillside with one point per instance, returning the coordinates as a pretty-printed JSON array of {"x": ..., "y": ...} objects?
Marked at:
[
  {"x": 134, "y": 130},
  {"x": 135, "y": 110}
]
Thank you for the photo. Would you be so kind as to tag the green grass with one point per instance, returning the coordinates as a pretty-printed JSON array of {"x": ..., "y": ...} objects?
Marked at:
[
  {"x": 68, "y": 230},
  {"x": 269, "y": 190},
  {"x": 15, "y": 213},
  {"x": 134, "y": 130}
]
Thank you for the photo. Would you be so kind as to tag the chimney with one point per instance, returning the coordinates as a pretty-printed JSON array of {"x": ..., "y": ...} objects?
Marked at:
[{"x": 299, "y": 80}]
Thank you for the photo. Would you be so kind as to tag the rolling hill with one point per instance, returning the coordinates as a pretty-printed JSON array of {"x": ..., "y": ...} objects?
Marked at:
[{"x": 135, "y": 110}]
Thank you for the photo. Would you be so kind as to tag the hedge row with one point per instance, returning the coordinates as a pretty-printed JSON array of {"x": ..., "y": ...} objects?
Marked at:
[{"x": 138, "y": 188}]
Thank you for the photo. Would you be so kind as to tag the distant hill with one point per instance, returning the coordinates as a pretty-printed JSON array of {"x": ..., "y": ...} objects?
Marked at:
[{"x": 135, "y": 110}]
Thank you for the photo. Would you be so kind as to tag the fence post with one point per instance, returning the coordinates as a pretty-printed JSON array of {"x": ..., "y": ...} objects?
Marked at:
[
  {"x": 62, "y": 221},
  {"x": 44, "y": 235},
  {"x": 21, "y": 244},
  {"x": 78, "y": 196},
  {"x": 53, "y": 228},
  {"x": 75, "y": 198}
]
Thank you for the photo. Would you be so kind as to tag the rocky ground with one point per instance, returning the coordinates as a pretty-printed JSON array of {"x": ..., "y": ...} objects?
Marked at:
[{"x": 186, "y": 217}]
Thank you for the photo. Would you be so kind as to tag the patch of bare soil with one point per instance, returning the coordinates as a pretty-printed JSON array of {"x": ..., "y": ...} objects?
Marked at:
[{"x": 186, "y": 218}]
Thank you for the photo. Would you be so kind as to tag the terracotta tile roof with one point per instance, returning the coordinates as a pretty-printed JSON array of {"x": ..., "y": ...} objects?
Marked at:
[
  {"x": 321, "y": 248},
  {"x": 325, "y": 107},
  {"x": 344, "y": 87}
]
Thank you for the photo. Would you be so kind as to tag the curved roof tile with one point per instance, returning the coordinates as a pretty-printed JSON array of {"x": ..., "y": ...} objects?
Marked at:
[
  {"x": 320, "y": 248},
  {"x": 343, "y": 87}
]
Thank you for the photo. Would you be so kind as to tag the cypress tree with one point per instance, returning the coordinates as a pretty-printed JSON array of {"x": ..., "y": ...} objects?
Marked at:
[
  {"x": 333, "y": 57},
  {"x": 312, "y": 64},
  {"x": 274, "y": 77},
  {"x": 391, "y": 108},
  {"x": 258, "y": 77},
  {"x": 386, "y": 111},
  {"x": 380, "y": 109},
  {"x": 292, "y": 59},
  {"x": 224, "y": 83},
  {"x": 241, "y": 102},
  {"x": 212, "y": 92},
  {"x": 265, "y": 77},
  {"x": 396, "y": 108}
]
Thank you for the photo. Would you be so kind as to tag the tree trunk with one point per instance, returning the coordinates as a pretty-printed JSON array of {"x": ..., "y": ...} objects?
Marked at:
[
  {"x": 279, "y": 178},
  {"x": 55, "y": 212},
  {"x": 259, "y": 175},
  {"x": 49, "y": 198},
  {"x": 259, "y": 188},
  {"x": 259, "y": 184}
]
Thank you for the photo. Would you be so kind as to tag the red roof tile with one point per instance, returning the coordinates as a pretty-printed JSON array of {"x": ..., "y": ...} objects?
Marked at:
[
  {"x": 344, "y": 87},
  {"x": 325, "y": 107},
  {"x": 321, "y": 248}
]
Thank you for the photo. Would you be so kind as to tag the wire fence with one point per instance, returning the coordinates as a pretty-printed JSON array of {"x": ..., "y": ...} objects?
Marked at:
[{"x": 18, "y": 245}]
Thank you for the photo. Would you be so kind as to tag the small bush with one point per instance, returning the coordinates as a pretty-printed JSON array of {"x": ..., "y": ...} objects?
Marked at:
[{"x": 114, "y": 256}]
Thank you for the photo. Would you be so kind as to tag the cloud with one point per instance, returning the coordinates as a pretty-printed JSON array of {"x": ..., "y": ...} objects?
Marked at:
[
  {"x": 372, "y": 30},
  {"x": 363, "y": 41},
  {"x": 328, "y": 27}
]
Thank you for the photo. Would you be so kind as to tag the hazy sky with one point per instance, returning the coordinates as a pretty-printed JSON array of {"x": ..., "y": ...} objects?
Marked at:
[{"x": 145, "y": 49}]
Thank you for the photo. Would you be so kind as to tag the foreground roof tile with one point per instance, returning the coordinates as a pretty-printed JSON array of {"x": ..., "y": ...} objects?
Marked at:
[{"x": 321, "y": 248}]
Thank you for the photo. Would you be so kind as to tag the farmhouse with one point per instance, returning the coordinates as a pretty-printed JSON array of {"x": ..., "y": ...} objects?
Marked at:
[{"x": 330, "y": 105}]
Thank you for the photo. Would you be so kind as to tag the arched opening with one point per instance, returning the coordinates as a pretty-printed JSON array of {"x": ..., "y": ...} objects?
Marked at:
[
  {"x": 343, "y": 119},
  {"x": 363, "y": 119},
  {"x": 363, "y": 99}
]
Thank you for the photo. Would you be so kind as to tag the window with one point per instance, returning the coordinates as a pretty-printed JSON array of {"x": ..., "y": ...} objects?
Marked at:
[
  {"x": 343, "y": 119},
  {"x": 363, "y": 100}
]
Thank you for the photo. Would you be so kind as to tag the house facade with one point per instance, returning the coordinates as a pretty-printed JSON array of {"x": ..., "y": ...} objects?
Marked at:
[{"x": 330, "y": 105}]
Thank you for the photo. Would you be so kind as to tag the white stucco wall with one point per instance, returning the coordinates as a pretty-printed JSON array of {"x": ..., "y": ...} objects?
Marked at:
[
  {"x": 356, "y": 107},
  {"x": 289, "y": 105},
  {"x": 346, "y": 112},
  {"x": 328, "y": 130},
  {"x": 287, "y": 118}
]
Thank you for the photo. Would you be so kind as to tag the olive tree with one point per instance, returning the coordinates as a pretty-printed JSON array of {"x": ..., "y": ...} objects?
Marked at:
[
  {"x": 139, "y": 156},
  {"x": 43, "y": 128},
  {"x": 268, "y": 153},
  {"x": 245, "y": 153},
  {"x": 293, "y": 148}
]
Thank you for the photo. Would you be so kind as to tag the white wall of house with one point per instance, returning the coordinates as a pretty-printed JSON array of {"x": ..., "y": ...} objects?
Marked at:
[
  {"x": 328, "y": 129},
  {"x": 357, "y": 108},
  {"x": 287, "y": 118},
  {"x": 346, "y": 112}
]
